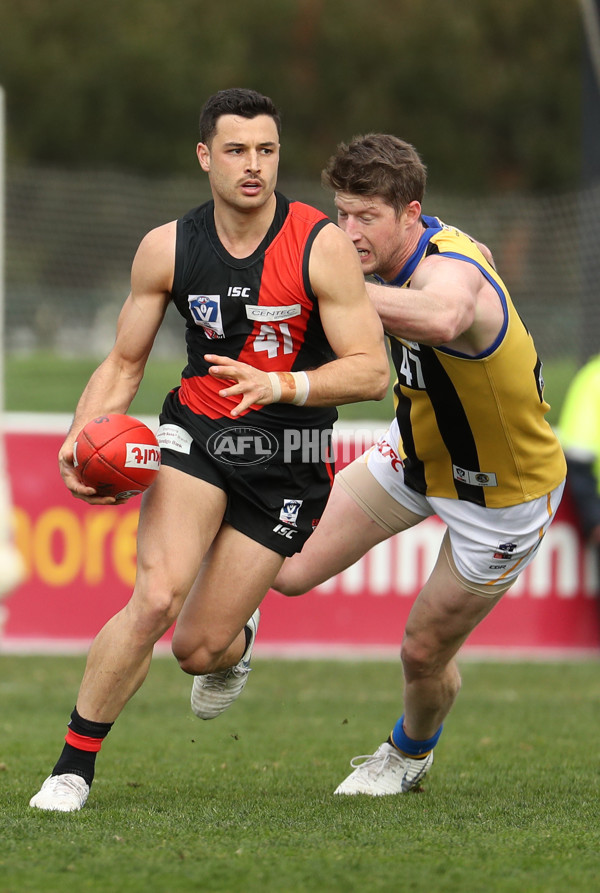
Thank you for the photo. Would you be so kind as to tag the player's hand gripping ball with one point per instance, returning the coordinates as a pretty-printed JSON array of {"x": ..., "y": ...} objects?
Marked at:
[{"x": 117, "y": 455}]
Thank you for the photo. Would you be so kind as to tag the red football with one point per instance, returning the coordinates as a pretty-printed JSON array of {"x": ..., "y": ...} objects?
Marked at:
[{"x": 117, "y": 455}]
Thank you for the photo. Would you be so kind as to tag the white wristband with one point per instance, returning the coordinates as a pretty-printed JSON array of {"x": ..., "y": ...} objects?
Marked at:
[
  {"x": 302, "y": 388},
  {"x": 295, "y": 383},
  {"x": 276, "y": 385}
]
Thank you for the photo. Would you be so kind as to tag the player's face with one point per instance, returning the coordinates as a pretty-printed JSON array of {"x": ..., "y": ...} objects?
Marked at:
[
  {"x": 242, "y": 160},
  {"x": 381, "y": 237}
]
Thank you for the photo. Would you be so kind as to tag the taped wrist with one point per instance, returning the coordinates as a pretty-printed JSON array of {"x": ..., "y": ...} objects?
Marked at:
[{"x": 289, "y": 387}]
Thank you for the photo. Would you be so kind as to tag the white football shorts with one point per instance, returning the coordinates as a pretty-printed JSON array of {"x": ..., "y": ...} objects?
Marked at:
[{"x": 489, "y": 546}]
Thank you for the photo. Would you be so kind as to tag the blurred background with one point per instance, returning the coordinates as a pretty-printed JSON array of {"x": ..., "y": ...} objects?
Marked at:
[{"x": 501, "y": 98}]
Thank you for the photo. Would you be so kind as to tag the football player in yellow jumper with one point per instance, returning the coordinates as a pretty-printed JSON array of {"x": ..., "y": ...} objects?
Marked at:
[{"x": 469, "y": 442}]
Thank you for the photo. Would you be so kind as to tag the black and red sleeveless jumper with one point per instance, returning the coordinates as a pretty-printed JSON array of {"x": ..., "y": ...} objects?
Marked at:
[{"x": 260, "y": 310}]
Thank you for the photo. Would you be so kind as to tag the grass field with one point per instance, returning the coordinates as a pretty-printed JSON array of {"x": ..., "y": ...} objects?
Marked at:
[
  {"x": 44, "y": 382},
  {"x": 244, "y": 803}
]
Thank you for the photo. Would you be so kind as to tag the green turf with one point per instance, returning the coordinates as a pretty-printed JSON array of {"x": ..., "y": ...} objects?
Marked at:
[
  {"x": 45, "y": 382},
  {"x": 244, "y": 803}
]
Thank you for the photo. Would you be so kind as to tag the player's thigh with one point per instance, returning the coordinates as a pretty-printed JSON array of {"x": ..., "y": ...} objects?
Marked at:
[
  {"x": 235, "y": 576},
  {"x": 359, "y": 514},
  {"x": 446, "y": 611},
  {"x": 179, "y": 519}
]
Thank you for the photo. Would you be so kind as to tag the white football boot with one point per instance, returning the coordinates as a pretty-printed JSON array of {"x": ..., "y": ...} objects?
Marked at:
[
  {"x": 213, "y": 693},
  {"x": 387, "y": 771},
  {"x": 61, "y": 793}
]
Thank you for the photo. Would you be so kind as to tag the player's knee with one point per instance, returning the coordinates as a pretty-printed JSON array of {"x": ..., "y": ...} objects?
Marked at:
[
  {"x": 197, "y": 655},
  {"x": 419, "y": 657},
  {"x": 290, "y": 581},
  {"x": 196, "y": 663},
  {"x": 155, "y": 620},
  {"x": 426, "y": 658},
  {"x": 155, "y": 610}
]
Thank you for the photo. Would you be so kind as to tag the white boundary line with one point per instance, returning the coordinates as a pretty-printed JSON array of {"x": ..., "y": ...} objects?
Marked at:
[{"x": 317, "y": 651}]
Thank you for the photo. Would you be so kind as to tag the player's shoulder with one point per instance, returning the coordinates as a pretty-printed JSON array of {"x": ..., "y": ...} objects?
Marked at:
[
  {"x": 453, "y": 242},
  {"x": 444, "y": 268},
  {"x": 155, "y": 256},
  {"x": 198, "y": 213},
  {"x": 304, "y": 211},
  {"x": 160, "y": 237},
  {"x": 334, "y": 258},
  {"x": 306, "y": 222}
]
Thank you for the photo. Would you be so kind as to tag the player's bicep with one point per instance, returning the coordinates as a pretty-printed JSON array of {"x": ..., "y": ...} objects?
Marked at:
[
  {"x": 144, "y": 309},
  {"x": 454, "y": 283},
  {"x": 347, "y": 314}
]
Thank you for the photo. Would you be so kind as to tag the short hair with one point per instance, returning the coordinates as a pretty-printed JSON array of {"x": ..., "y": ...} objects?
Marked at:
[
  {"x": 235, "y": 101},
  {"x": 378, "y": 164}
]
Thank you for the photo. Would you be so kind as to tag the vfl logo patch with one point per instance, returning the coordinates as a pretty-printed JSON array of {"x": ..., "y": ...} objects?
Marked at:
[
  {"x": 475, "y": 478},
  {"x": 289, "y": 512},
  {"x": 206, "y": 313},
  {"x": 505, "y": 550}
]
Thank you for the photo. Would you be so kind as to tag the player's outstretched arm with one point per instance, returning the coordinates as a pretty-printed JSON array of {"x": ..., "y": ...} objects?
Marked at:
[
  {"x": 448, "y": 303},
  {"x": 115, "y": 382}
]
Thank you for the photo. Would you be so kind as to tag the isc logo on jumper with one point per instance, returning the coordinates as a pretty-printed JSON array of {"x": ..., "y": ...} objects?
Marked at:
[
  {"x": 243, "y": 445},
  {"x": 206, "y": 313},
  {"x": 140, "y": 455}
]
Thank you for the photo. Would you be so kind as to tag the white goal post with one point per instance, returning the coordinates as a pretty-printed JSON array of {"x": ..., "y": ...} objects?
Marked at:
[
  {"x": 11, "y": 564},
  {"x": 2, "y": 244}
]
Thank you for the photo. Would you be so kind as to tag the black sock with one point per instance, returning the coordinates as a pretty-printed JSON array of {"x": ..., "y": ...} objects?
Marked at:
[{"x": 78, "y": 760}]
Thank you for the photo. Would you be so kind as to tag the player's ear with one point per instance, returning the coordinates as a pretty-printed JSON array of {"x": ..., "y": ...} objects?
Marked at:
[
  {"x": 203, "y": 153},
  {"x": 413, "y": 211}
]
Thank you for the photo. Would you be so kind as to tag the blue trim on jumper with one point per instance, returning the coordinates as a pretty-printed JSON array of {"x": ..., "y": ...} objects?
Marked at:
[
  {"x": 500, "y": 337},
  {"x": 433, "y": 226},
  {"x": 408, "y": 745}
]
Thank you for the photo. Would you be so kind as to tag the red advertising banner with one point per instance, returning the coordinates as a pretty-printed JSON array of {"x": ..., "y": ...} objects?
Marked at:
[{"x": 80, "y": 568}]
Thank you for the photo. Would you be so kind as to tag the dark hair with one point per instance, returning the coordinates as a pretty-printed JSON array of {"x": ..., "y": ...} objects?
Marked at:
[
  {"x": 377, "y": 164},
  {"x": 235, "y": 101}
]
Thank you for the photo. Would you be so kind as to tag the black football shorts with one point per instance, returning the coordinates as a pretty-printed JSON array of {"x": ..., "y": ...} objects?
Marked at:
[{"x": 277, "y": 481}]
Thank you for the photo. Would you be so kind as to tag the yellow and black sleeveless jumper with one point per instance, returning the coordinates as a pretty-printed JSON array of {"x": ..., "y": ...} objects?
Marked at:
[{"x": 473, "y": 428}]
